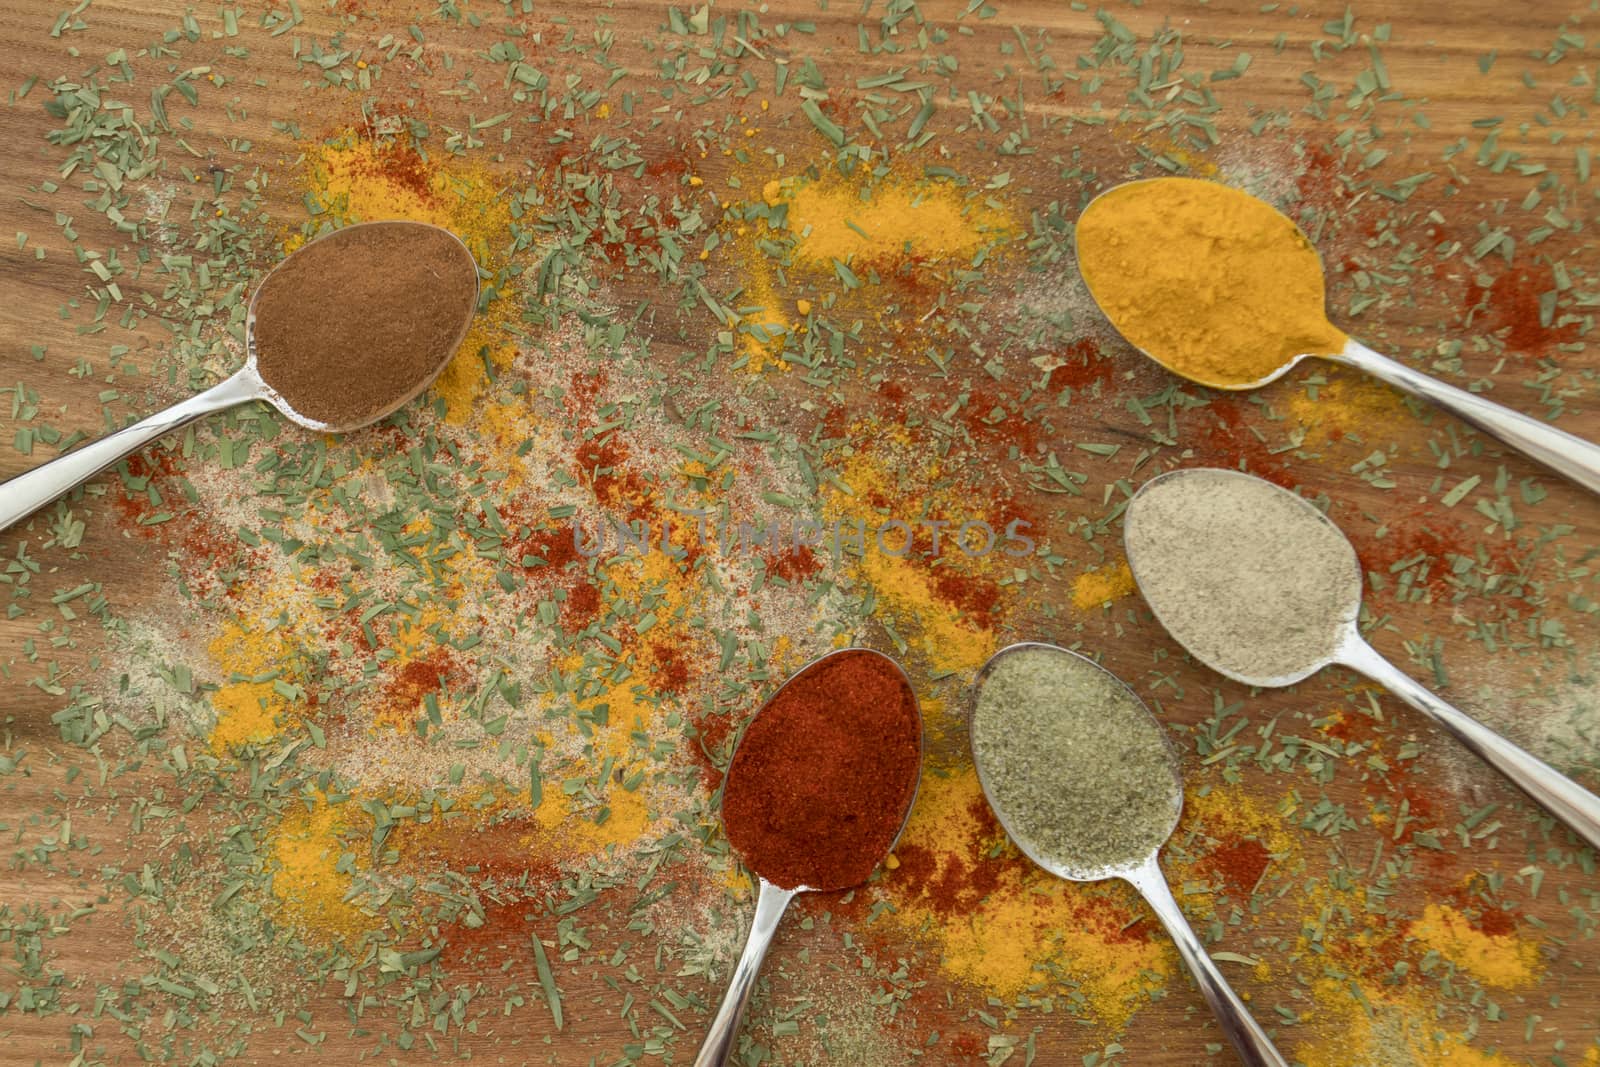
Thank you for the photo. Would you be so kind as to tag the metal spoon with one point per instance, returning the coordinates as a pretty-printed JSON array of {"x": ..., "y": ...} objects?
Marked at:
[
  {"x": 773, "y": 900},
  {"x": 1567, "y": 455},
  {"x": 1340, "y": 638},
  {"x": 1255, "y": 1048},
  {"x": 28, "y": 492}
]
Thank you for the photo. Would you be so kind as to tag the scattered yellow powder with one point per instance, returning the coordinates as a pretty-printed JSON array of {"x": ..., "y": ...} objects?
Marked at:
[
  {"x": 1245, "y": 833},
  {"x": 933, "y": 220},
  {"x": 949, "y": 643},
  {"x": 1102, "y": 585},
  {"x": 905, "y": 587},
  {"x": 1195, "y": 162},
  {"x": 1399, "y": 1029},
  {"x": 1347, "y": 403},
  {"x": 305, "y": 849},
  {"x": 506, "y": 428},
  {"x": 249, "y": 712},
  {"x": 1028, "y": 928},
  {"x": 411, "y": 637},
  {"x": 613, "y": 743},
  {"x": 1229, "y": 812},
  {"x": 1503, "y": 961},
  {"x": 763, "y": 326}
]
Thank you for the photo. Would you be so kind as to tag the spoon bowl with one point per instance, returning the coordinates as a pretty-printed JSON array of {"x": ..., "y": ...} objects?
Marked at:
[
  {"x": 772, "y": 899},
  {"x": 1142, "y": 871},
  {"x": 1570, "y": 456},
  {"x": 332, "y": 244},
  {"x": 24, "y": 494},
  {"x": 1198, "y": 536}
]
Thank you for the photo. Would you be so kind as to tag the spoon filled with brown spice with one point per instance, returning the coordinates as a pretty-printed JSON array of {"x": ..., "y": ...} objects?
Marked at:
[
  {"x": 819, "y": 789},
  {"x": 1085, "y": 781},
  {"x": 340, "y": 334}
]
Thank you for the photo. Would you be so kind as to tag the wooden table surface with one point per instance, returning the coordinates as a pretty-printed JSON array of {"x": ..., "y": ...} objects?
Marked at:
[{"x": 1339, "y": 948}]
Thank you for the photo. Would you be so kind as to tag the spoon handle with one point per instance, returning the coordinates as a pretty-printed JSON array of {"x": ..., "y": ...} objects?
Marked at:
[
  {"x": 31, "y": 490},
  {"x": 771, "y": 902},
  {"x": 1255, "y": 1048},
  {"x": 1572, "y": 457},
  {"x": 1545, "y": 786}
]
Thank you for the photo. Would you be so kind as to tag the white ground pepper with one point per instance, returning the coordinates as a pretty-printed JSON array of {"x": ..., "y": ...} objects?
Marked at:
[{"x": 1251, "y": 579}]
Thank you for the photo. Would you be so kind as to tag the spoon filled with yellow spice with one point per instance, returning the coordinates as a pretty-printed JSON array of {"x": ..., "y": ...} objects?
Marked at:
[{"x": 1224, "y": 290}]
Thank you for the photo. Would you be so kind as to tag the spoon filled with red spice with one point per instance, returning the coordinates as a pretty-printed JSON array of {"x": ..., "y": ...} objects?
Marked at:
[
  {"x": 820, "y": 787},
  {"x": 339, "y": 335}
]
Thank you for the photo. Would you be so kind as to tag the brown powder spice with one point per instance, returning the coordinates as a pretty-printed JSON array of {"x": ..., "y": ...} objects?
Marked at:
[{"x": 355, "y": 324}]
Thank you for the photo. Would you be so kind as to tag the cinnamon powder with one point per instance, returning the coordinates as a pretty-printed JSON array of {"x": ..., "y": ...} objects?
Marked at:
[{"x": 356, "y": 323}]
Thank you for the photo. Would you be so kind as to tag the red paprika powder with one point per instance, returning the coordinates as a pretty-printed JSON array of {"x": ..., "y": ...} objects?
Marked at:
[{"x": 822, "y": 780}]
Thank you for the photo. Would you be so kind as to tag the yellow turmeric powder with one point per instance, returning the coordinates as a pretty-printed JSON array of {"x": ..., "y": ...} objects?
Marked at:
[
  {"x": 1213, "y": 283},
  {"x": 1500, "y": 960}
]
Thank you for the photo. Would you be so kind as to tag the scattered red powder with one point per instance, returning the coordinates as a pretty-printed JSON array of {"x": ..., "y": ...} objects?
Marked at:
[
  {"x": 1225, "y": 433},
  {"x": 968, "y": 1043},
  {"x": 1496, "y": 922},
  {"x": 973, "y": 594},
  {"x": 969, "y": 873},
  {"x": 713, "y": 731},
  {"x": 794, "y": 565},
  {"x": 1011, "y": 428},
  {"x": 1319, "y": 183},
  {"x": 1440, "y": 537},
  {"x": 417, "y": 679},
  {"x": 1513, "y": 306},
  {"x": 1087, "y": 365},
  {"x": 1239, "y": 863},
  {"x": 670, "y": 671},
  {"x": 582, "y": 605},
  {"x": 555, "y": 547}
]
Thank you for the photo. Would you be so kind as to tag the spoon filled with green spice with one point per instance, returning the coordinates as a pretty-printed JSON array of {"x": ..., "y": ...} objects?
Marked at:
[
  {"x": 1086, "y": 783},
  {"x": 1262, "y": 587},
  {"x": 337, "y": 336}
]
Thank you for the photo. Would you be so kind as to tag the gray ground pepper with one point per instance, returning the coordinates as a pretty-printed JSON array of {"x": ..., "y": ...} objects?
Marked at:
[
  {"x": 1074, "y": 764},
  {"x": 1252, "y": 580}
]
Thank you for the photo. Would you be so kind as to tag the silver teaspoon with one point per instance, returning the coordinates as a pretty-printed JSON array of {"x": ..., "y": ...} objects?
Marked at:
[
  {"x": 772, "y": 900},
  {"x": 1017, "y": 768},
  {"x": 1570, "y": 456},
  {"x": 26, "y": 493},
  {"x": 1199, "y": 535}
]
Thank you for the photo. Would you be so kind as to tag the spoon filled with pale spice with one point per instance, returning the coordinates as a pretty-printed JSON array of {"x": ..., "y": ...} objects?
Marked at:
[
  {"x": 342, "y": 333},
  {"x": 1220, "y": 288},
  {"x": 1262, "y": 587},
  {"x": 1086, "y": 782}
]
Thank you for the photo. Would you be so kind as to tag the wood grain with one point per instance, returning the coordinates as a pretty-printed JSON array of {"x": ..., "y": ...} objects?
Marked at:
[{"x": 1432, "y": 56}]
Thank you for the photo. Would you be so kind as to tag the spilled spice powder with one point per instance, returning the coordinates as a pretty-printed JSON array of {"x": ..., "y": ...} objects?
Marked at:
[
  {"x": 357, "y": 323},
  {"x": 822, "y": 780}
]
